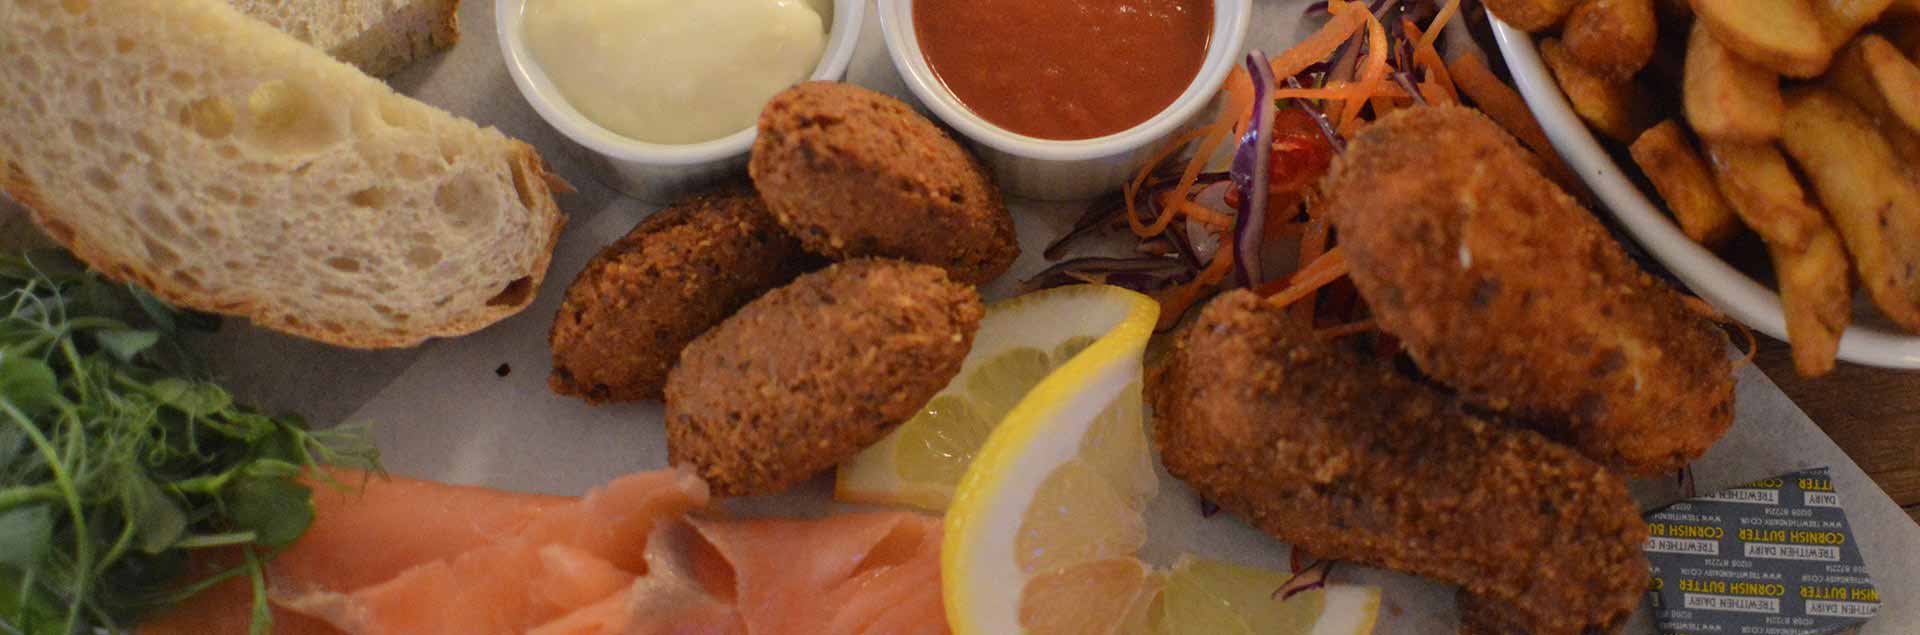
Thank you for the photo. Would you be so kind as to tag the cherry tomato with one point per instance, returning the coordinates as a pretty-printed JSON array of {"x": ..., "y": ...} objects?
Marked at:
[{"x": 1301, "y": 155}]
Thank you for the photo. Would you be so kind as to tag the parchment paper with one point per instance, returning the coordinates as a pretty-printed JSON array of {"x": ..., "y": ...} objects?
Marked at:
[{"x": 445, "y": 412}]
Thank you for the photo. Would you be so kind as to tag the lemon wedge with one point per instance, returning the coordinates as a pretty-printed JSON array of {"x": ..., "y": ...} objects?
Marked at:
[
  {"x": 1019, "y": 343},
  {"x": 1208, "y": 597},
  {"x": 1045, "y": 521},
  {"x": 1049, "y": 509}
]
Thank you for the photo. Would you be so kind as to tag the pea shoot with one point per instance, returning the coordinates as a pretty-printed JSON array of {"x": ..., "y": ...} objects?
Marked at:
[{"x": 119, "y": 459}]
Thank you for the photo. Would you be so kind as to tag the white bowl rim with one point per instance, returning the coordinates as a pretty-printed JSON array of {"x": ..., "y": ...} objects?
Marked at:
[
  {"x": 1223, "y": 55},
  {"x": 843, "y": 36},
  {"x": 1719, "y": 283}
]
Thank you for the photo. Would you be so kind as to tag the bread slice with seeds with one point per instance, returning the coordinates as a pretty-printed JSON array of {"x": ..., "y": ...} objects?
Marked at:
[{"x": 229, "y": 167}]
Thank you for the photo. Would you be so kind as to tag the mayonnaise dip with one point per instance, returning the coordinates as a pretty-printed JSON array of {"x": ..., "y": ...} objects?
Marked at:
[{"x": 673, "y": 71}]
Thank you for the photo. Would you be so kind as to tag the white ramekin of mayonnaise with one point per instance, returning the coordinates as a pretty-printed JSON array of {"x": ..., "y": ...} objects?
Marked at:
[{"x": 664, "y": 94}]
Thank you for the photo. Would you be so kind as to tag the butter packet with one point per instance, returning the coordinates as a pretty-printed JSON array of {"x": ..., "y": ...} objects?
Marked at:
[{"x": 1772, "y": 557}]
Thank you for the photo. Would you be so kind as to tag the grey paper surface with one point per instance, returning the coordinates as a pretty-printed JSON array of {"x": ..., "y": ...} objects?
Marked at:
[{"x": 444, "y": 413}]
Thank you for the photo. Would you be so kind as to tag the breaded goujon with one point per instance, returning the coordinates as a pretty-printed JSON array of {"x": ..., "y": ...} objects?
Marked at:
[
  {"x": 855, "y": 173},
  {"x": 811, "y": 373},
  {"x": 1339, "y": 455},
  {"x": 1507, "y": 290},
  {"x": 678, "y": 273}
]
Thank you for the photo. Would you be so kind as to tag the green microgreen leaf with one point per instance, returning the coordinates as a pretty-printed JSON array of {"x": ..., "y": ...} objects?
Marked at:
[
  {"x": 276, "y": 510},
  {"x": 157, "y": 518},
  {"x": 26, "y": 532},
  {"x": 118, "y": 458},
  {"x": 126, "y": 344}
]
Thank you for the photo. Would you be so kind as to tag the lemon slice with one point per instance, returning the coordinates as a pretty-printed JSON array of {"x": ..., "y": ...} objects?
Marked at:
[
  {"x": 1044, "y": 523},
  {"x": 1019, "y": 343},
  {"x": 1046, "y": 519},
  {"x": 1208, "y": 597}
]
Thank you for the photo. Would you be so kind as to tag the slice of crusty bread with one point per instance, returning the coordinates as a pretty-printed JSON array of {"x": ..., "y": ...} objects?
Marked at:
[
  {"x": 231, "y": 168},
  {"x": 379, "y": 36}
]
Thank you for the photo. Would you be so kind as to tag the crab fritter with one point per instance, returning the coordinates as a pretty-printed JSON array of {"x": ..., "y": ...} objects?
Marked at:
[
  {"x": 1339, "y": 455},
  {"x": 811, "y": 373},
  {"x": 855, "y": 173},
  {"x": 1507, "y": 290},
  {"x": 676, "y": 275}
]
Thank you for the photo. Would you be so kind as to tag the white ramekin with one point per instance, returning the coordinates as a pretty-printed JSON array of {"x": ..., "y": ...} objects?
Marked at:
[
  {"x": 1047, "y": 169},
  {"x": 651, "y": 171}
]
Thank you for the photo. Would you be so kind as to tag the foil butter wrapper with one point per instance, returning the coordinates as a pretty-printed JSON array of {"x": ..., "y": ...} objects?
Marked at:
[{"x": 1772, "y": 557}]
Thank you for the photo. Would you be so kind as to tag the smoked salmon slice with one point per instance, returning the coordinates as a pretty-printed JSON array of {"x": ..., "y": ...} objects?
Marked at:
[
  {"x": 506, "y": 588},
  {"x": 377, "y": 527},
  {"x": 809, "y": 576},
  {"x": 417, "y": 558},
  {"x": 563, "y": 558},
  {"x": 613, "y": 522},
  {"x": 687, "y": 591},
  {"x": 369, "y": 531}
]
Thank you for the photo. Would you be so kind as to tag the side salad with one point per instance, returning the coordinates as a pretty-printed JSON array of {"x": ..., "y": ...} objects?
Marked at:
[{"x": 119, "y": 459}]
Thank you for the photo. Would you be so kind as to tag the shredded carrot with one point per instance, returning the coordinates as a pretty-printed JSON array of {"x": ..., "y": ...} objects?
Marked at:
[
  {"x": 1753, "y": 345},
  {"x": 1313, "y": 246},
  {"x": 1342, "y": 92},
  {"x": 1200, "y": 213},
  {"x": 1239, "y": 98},
  {"x": 1221, "y": 132},
  {"x": 1180, "y": 298},
  {"x": 1346, "y": 330},
  {"x": 1498, "y": 101},
  {"x": 1372, "y": 72},
  {"x": 1703, "y": 309},
  {"x": 1505, "y": 107},
  {"x": 1439, "y": 22},
  {"x": 1132, "y": 190},
  {"x": 1425, "y": 55},
  {"x": 1301, "y": 286},
  {"x": 1322, "y": 43}
]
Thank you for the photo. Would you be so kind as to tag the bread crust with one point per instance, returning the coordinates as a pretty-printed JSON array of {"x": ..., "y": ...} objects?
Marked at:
[
  {"x": 16, "y": 184},
  {"x": 409, "y": 32},
  {"x": 258, "y": 177}
]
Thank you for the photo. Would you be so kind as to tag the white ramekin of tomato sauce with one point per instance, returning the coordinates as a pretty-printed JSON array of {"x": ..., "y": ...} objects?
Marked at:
[{"x": 1065, "y": 99}]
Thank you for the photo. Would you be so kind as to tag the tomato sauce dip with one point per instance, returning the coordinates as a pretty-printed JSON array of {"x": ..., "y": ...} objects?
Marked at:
[{"x": 1065, "y": 69}]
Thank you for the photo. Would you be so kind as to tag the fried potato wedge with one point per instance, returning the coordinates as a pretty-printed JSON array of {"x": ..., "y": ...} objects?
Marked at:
[
  {"x": 1666, "y": 155},
  {"x": 1853, "y": 76},
  {"x": 1816, "y": 292},
  {"x": 1728, "y": 97},
  {"x": 1764, "y": 192},
  {"x": 1875, "y": 204},
  {"x": 1613, "y": 38},
  {"x": 1531, "y": 16},
  {"x": 1619, "y": 110},
  {"x": 1783, "y": 35},
  {"x": 1840, "y": 20},
  {"x": 1897, "y": 77}
]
